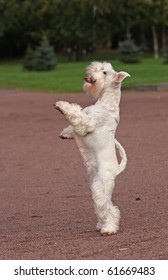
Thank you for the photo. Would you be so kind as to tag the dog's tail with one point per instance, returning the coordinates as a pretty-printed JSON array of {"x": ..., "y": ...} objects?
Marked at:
[{"x": 123, "y": 156}]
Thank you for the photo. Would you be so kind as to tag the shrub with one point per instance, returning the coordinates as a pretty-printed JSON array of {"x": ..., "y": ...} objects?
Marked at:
[
  {"x": 42, "y": 58},
  {"x": 45, "y": 56},
  {"x": 29, "y": 60},
  {"x": 129, "y": 52}
]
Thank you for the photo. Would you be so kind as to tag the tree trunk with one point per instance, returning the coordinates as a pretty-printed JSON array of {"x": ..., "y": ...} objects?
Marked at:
[{"x": 155, "y": 42}]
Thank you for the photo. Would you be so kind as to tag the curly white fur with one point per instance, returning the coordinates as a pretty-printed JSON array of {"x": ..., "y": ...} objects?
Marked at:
[{"x": 94, "y": 131}]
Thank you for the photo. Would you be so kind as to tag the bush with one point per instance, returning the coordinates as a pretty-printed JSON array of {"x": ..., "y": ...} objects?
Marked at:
[
  {"x": 129, "y": 52},
  {"x": 42, "y": 58},
  {"x": 45, "y": 56},
  {"x": 165, "y": 54},
  {"x": 29, "y": 60}
]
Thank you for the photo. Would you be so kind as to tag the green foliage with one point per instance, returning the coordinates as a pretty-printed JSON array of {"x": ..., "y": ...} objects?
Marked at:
[
  {"x": 45, "y": 58},
  {"x": 77, "y": 27},
  {"x": 29, "y": 60},
  {"x": 129, "y": 52},
  {"x": 42, "y": 59}
]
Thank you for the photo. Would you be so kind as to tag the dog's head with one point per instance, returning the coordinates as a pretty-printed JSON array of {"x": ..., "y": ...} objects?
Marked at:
[{"x": 101, "y": 77}]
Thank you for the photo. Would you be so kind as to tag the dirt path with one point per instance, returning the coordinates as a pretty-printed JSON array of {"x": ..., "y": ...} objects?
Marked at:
[{"x": 46, "y": 211}]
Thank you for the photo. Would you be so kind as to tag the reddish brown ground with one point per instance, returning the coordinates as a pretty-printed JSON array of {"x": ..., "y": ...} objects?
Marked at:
[{"x": 46, "y": 211}]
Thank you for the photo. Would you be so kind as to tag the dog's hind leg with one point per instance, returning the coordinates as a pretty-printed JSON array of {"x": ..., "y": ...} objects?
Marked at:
[
  {"x": 91, "y": 166},
  {"x": 108, "y": 215},
  {"x": 111, "y": 222},
  {"x": 80, "y": 121},
  {"x": 99, "y": 200}
]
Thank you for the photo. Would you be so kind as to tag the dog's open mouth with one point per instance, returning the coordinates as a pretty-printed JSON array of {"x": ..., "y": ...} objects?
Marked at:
[{"x": 89, "y": 80}]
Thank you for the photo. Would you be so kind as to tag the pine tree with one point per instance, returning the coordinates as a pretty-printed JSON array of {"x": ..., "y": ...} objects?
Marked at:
[
  {"x": 45, "y": 58},
  {"x": 129, "y": 52},
  {"x": 42, "y": 58},
  {"x": 29, "y": 60}
]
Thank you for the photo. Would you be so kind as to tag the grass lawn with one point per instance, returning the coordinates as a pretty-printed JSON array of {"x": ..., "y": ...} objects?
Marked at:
[{"x": 68, "y": 76}]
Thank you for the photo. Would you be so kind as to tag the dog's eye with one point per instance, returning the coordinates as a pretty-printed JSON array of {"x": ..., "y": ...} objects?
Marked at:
[{"x": 104, "y": 72}]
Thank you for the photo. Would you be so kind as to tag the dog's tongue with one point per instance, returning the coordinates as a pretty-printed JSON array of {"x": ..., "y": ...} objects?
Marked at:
[{"x": 89, "y": 80}]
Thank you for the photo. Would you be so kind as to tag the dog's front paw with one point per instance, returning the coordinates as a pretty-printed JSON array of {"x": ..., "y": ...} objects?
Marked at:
[
  {"x": 59, "y": 105},
  {"x": 65, "y": 135}
]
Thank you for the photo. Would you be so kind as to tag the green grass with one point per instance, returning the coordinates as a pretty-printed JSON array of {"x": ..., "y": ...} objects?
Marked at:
[{"x": 68, "y": 76}]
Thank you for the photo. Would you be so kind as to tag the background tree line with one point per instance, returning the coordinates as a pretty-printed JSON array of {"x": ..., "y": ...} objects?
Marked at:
[{"x": 78, "y": 27}]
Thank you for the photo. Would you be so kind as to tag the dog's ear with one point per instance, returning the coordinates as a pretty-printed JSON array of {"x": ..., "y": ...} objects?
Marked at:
[{"x": 120, "y": 76}]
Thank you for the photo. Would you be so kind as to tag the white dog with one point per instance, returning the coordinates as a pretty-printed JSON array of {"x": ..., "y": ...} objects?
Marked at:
[{"x": 94, "y": 131}]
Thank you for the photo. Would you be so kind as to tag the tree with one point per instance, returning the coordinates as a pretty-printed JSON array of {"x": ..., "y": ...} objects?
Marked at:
[
  {"x": 22, "y": 22},
  {"x": 45, "y": 58},
  {"x": 128, "y": 51},
  {"x": 157, "y": 18},
  {"x": 73, "y": 26},
  {"x": 77, "y": 27},
  {"x": 29, "y": 60},
  {"x": 42, "y": 59}
]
